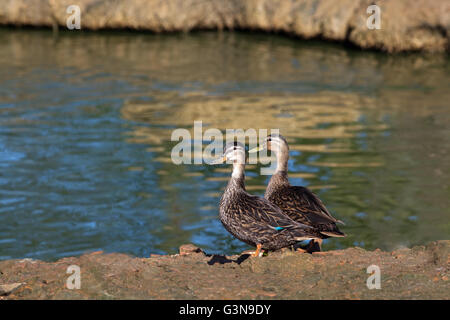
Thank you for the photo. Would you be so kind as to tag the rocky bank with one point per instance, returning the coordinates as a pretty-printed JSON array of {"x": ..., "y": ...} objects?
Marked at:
[
  {"x": 406, "y": 25},
  {"x": 418, "y": 273}
]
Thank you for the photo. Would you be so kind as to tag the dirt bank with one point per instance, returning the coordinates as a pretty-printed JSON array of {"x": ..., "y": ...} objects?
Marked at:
[
  {"x": 405, "y": 24},
  {"x": 418, "y": 273}
]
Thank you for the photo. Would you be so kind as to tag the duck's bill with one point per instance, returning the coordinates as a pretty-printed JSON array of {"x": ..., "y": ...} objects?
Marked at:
[
  {"x": 219, "y": 160},
  {"x": 257, "y": 149}
]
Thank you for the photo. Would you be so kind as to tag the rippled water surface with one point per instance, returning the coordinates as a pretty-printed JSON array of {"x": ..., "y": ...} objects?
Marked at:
[{"x": 86, "y": 121}]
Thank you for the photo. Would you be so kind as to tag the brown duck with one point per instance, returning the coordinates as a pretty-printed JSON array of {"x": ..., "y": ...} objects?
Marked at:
[
  {"x": 299, "y": 203},
  {"x": 252, "y": 219}
]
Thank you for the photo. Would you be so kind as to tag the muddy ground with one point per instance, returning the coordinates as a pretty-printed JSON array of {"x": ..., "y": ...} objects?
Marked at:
[{"x": 418, "y": 273}]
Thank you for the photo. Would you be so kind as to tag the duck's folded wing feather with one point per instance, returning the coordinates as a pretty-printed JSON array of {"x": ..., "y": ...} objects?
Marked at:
[
  {"x": 307, "y": 202},
  {"x": 260, "y": 210}
]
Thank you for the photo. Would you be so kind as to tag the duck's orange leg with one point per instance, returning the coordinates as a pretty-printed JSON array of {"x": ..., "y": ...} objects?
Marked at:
[{"x": 258, "y": 250}]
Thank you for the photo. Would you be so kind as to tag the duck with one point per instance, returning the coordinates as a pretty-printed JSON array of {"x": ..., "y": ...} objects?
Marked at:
[
  {"x": 297, "y": 202},
  {"x": 253, "y": 219}
]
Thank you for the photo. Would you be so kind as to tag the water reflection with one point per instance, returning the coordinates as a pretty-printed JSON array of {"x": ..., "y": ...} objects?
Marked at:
[{"x": 86, "y": 119}]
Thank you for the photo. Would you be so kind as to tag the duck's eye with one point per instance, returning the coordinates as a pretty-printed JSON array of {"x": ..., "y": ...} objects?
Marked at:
[
  {"x": 234, "y": 148},
  {"x": 269, "y": 139}
]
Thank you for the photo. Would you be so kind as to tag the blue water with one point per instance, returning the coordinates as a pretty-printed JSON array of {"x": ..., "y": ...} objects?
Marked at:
[{"x": 86, "y": 119}]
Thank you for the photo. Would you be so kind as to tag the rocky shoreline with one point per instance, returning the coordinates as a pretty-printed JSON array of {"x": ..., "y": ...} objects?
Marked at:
[
  {"x": 406, "y": 25},
  {"x": 421, "y": 272}
]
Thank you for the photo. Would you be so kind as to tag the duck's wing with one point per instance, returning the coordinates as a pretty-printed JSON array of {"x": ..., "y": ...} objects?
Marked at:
[
  {"x": 260, "y": 211},
  {"x": 304, "y": 206}
]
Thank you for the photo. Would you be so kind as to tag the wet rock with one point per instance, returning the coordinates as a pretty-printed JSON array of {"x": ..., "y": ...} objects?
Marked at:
[
  {"x": 6, "y": 289},
  {"x": 186, "y": 249},
  {"x": 406, "y": 25}
]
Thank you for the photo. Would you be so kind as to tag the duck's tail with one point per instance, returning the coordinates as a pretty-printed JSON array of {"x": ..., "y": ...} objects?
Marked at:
[
  {"x": 302, "y": 232},
  {"x": 334, "y": 233}
]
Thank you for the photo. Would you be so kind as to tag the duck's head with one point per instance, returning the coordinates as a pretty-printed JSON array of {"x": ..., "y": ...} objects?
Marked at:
[
  {"x": 273, "y": 142},
  {"x": 234, "y": 152}
]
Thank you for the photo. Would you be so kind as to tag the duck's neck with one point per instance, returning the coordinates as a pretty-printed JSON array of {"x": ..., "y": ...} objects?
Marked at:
[
  {"x": 282, "y": 155},
  {"x": 237, "y": 181},
  {"x": 280, "y": 178}
]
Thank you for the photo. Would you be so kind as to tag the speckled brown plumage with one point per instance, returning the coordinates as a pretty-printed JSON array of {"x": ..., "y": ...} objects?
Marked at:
[
  {"x": 297, "y": 202},
  {"x": 301, "y": 205},
  {"x": 254, "y": 220}
]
